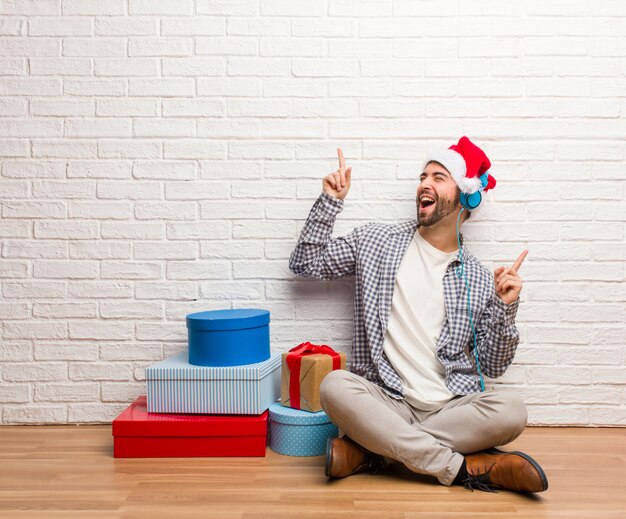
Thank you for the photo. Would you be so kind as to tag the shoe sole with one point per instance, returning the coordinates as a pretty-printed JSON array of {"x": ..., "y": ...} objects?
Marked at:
[
  {"x": 329, "y": 452},
  {"x": 544, "y": 479}
]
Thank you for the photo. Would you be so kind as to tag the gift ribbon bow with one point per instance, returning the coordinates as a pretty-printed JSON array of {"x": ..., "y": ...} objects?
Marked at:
[{"x": 294, "y": 361}]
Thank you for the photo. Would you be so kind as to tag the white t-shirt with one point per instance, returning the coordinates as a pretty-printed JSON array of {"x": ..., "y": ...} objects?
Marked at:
[{"x": 415, "y": 321}]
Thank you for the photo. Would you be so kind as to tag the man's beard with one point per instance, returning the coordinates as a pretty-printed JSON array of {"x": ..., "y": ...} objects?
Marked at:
[{"x": 443, "y": 207}]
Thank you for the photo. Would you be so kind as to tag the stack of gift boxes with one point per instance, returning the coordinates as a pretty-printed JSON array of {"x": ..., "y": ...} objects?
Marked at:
[{"x": 219, "y": 398}]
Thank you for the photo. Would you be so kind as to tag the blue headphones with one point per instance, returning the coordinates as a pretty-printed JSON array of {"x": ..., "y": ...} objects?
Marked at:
[
  {"x": 469, "y": 202},
  {"x": 472, "y": 200}
]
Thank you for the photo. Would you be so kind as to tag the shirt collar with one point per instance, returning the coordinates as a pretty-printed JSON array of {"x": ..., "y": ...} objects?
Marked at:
[{"x": 412, "y": 225}]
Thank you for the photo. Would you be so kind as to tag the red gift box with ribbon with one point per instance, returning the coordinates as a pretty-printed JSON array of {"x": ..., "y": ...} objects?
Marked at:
[{"x": 304, "y": 367}]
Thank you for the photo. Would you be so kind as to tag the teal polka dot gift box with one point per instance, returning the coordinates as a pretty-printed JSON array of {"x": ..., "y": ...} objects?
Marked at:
[{"x": 299, "y": 433}]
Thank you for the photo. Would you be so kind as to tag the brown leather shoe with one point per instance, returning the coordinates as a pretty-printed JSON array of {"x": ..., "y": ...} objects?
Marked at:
[
  {"x": 344, "y": 458},
  {"x": 509, "y": 470}
]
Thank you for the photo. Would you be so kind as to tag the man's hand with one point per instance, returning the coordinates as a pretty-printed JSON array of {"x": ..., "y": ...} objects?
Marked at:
[
  {"x": 507, "y": 281},
  {"x": 337, "y": 184}
]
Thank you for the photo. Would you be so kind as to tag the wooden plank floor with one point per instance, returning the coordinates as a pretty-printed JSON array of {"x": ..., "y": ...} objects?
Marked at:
[{"x": 69, "y": 471}]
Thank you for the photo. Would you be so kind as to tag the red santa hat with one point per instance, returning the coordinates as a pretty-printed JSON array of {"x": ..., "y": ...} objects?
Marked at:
[{"x": 467, "y": 164}]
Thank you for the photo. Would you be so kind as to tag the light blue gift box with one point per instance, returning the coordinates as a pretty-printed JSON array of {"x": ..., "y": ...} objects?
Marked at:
[
  {"x": 176, "y": 386},
  {"x": 299, "y": 433}
]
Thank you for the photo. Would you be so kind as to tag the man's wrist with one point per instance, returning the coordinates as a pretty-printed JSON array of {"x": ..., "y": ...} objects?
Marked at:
[{"x": 331, "y": 197}]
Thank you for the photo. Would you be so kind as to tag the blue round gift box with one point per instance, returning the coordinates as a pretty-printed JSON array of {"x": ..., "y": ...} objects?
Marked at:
[
  {"x": 228, "y": 337},
  {"x": 299, "y": 433}
]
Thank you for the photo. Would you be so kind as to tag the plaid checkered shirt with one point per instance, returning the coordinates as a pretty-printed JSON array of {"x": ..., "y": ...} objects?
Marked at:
[{"x": 372, "y": 253}]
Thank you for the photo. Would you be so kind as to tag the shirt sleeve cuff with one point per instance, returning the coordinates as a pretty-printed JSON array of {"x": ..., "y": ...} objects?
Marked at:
[
  {"x": 506, "y": 312},
  {"x": 328, "y": 206}
]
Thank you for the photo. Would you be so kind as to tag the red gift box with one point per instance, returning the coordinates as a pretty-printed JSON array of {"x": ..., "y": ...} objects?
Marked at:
[{"x": 139, "y": 434}]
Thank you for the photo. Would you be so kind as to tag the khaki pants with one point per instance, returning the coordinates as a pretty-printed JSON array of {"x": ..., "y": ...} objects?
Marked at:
[{"x": 427, "y": 442}]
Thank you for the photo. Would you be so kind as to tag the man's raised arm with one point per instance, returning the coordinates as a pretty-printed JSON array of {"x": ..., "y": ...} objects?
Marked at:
[
  {"x": 497, "y": 334},
  {"x": 316, "y": 254}
]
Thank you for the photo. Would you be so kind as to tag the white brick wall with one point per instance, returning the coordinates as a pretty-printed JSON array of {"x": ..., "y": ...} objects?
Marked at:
[{"x": 159, "y": 157}]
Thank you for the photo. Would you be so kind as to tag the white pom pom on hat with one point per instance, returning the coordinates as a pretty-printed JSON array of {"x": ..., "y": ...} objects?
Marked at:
[{"x": 467, "y": 163}]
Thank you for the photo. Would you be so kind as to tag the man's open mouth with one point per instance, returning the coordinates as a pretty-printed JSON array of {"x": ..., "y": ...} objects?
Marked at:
[{"x": 426, "y": 201}]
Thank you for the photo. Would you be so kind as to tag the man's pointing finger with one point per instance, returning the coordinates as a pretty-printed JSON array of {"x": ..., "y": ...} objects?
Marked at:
[
  {"x": 342, "y": 162},
  {"x": 519, "y": 261}
]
